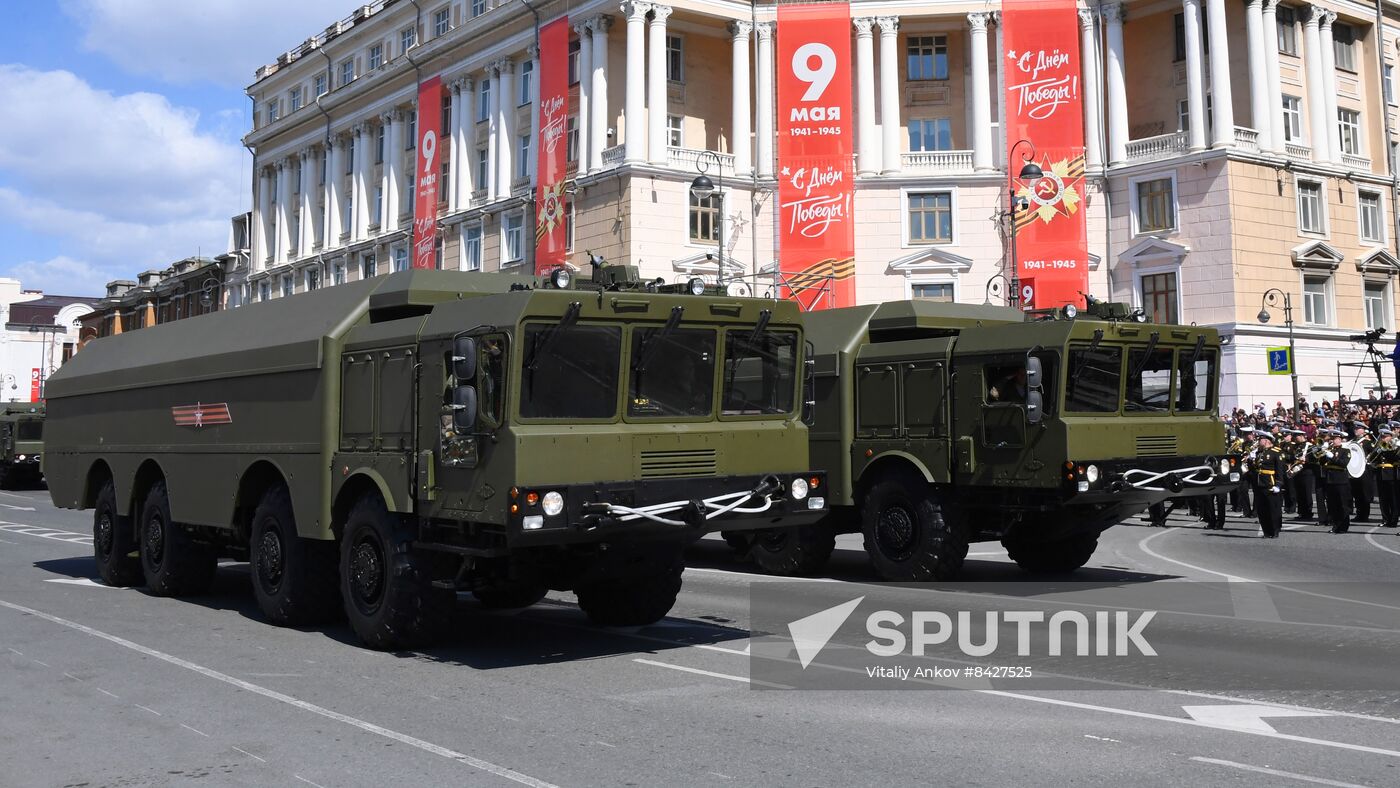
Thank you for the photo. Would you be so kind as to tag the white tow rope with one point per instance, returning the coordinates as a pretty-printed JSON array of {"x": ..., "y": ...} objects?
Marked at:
[
  {"x": 1186, "y": 475},
  {"x": 717, "y": 506}
]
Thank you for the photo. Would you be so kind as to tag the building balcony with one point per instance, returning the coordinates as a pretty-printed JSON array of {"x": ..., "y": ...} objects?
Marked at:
[
  {"x": 936, "y": 162},
  {"x": 1162, "y": 146},
  {"x": 692, "y": 160}
]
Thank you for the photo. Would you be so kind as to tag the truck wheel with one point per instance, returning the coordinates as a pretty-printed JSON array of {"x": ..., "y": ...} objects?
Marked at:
[
  {"x": 505, "y": 596},
  {"x": 174, "y": 565},
  {"x": 113, "y": 544},
  {"x": 389, "y": 596},
  {"x": 795, "y": 550},
  {"x": 633, "y": 602},
  {"x": 906, "y": 535},
  {"x": 1066, "y": 555},
  {"x": 295, "y": 580},
  {"x": 738, "y": 541}
]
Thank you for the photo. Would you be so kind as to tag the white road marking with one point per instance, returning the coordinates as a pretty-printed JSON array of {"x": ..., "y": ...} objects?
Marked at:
[
  {"x": 105, "y": 692},
  {"x": 37, "y": 662},
  {"x": 71, "y": 676},
  {"x": 605, "y": 744},
  {"x": 760, "y": 578},
  {"x": 7, "y": 541},
  {"x": 17, "y": 651},
  {"x": 15, "y": 495},
  {"x": 1142, "y": 545},
  {"x": 1245, "y": 717},
  {"x": 18, "y": 508},
  {"x": 200, "y": 732},
  {"x": 249, "y": 754},
  {"x": 308, "y": 782},
  {"x": 85, "y": 582},
  {"x": 55, "y": 534},
  {"x": 711, "y": 673},
  {"x": 721, "y": 776},
  {"x": 1101, "y": 738},
  {"x": 368, "y": 727},
  {"x": 1275, "y": 772},
  {"x": 1372, "y": 539},
  {"x": 743, "y": 652},
  {"x": 144, "y": 708}
]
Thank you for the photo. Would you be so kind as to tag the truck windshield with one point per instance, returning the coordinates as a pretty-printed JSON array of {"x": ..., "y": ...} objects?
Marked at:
[
  {"x": 1149, "y": 380},
  {"x": 760, "y": 372},
  {"x": 30, "y": 430},
  {"x": 1093, "y": 380},
  {"x": 673, "y": 373},
  {"x": 1195, "y": 382},
  {"x": 574, "y": 374}
]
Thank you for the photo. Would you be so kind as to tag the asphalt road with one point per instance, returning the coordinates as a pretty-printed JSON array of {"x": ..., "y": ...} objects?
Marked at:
[{"x": 101, "y": 686}]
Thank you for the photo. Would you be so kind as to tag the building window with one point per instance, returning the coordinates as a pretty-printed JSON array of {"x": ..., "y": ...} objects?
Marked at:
[
  {"x": 294, "y": 99},
  {"x": 522, "y": 158},
  {"x": 571, "y": 139},
  {"x": 478, "y": 8},
  {"x": 1159, "y": 297},
  {"x": 1156, "y": 206},
  {"x": 320, "y": 83},
  {"x": 513, "y": 247},
  {"x": 1376, "y": 296},
  {"x": 930, "y": 134},
  {"x": 482, "y": 166},
  {"x": 376, "y": 56},
  {"x": 287, "y": 286},
  {"x": 1349, "y": 128},
  {"x": 313, "y": 278},
  {"x": 527, "y": 76},
  {"x": 338, "y": 274},
  {"x": 1311, "y": 216},
  {"x": 1292, "y": 119},
  {"x": 1388, "y": 83},
  {"x": 350, "y": 155},
  {"x": 270, "y": 111},
  {"x": 675, "y": 59},
  {"x": 568, "y": 225},
  {"x": 407, "y": 38},
  {"x": 442, "y": 22},
  {"x": 931, "y": 218},
  {"x": 1179, "y": 38},
  {"x": 573, "y": 61},
  {"x": 1342, "y": 50},
  {"x": 1287, "y": 30},
  {"x": 347, "y": 71},
  {"x": 1317, "y": 300},
  {"x": 942, "y": 292},
  {"x": 412, "y": 141},
  {"x": 264, "y": 290},
  {"x": 400, "y": 254},
  {"x": 347, "y": 213},
  {"x": 437, "y": 253},
  {"x": 1369, "y": 221},
  {"x": 378, "y": 215},
  {"x": 379, "y": 144},
  {"x": 483, "y": 101},
  {"x": 928, "y": 57},
  {"x": 1183, "y": 115},
  {"x": 368, "y": 269},
  {"x": 675, "y": 131},
  {"x": 704, "y": 218},
  {"x": 471, "y": 247},
  {"x": 408, "y": 181}
]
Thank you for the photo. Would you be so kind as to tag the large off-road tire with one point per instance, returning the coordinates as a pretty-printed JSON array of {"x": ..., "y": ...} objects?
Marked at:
[
  {"x": 509, "y": 595},
  {"x": 634, "y": 601},
  {"x": 795, "y": 550},
  {"x": 114, "y": 542},
  {"x": 738, "y": 541},
  {"x": 296, "y": 581},
  {"x": 172, "y": 562},
  {"x": 1065, "y": 555},
  {"x": 388, "y": 591},
  {"x": 907, "y": 535}
]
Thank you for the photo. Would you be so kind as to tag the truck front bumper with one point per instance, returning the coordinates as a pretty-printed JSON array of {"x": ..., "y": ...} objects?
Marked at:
[
  {"x": 1147, "y": 481},
  {"x": 663, "y": 508}
]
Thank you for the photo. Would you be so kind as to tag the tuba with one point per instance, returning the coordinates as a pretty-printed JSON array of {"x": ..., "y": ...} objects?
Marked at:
[{"x": 1356, "y": 459}]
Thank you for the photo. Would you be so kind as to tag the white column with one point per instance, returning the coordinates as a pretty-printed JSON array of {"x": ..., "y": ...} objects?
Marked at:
[
  {"x": 741, "y": 108},
  {"x": 1259, "y": 113},
  {"x": 981, "y": 92},
  {"x": 656, "y": 85},
  {"x": 1273, "y": 86},
  {"x": 1093, "y": 102},
  {"x": 466, "y": 144},
  {"x": 335, "y": 170},
  {"x": 454, "y": 146},
  {"x": 505, "y": 157},
  {"x": 1222, "y": 104},
  {"x": 1000, "y": 103},
  {"x": 598, "y": 113},
  {"x": 1195, "y": 81},
  {"x": 890, "y": 125},
  {"x": 635, "y": 85},
  {"x": 764, "y": 130},
  {"x": 261, "y": 211},
  {"x": 533, "y": 164},
  {"x": 306, "y": 224},
  {"x": 284, "y": 209},
  {"x": 1329, "y": 81},
  {"x": 867, "y": 162},
  {"x": 1117, "y": 106},
  {"x": 1318, "y": 125},
  {"x": 494, "y": 132},
  {"x": 393, "y": 170},
  {"x": 585, "y": 93},
  {"x": 364, "y": 142}
]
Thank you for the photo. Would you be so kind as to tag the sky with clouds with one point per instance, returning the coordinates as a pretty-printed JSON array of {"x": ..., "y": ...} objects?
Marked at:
[{"x": 120, "y": 145}]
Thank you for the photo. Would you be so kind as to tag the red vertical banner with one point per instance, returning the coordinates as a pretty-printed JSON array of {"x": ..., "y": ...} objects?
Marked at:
[
  {"x": 429, "y": 165},
  {"x": 1045, "y": 121},
  {"x": 551, "y": 145},
  {"x": 34, "y": 385},
  {"x": 816, "y": 177}
]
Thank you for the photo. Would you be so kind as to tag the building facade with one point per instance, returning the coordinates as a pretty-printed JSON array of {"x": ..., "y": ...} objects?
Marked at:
[
  {"x": 1233, "y": 146},
  {"x": 40, "y": 333}
]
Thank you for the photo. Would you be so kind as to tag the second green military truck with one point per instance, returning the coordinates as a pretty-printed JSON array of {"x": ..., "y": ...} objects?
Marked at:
[
  {"x": 945, "y": 424},
  {"x": 21, "y": 444},
  {"x": 374, "y": 447}
]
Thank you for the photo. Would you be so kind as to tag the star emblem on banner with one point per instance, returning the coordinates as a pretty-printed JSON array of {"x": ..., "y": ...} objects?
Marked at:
[{"x": 1055, "y": 192}]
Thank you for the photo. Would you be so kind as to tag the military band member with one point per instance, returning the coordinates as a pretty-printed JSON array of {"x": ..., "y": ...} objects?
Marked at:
[
  {"x": 1287, "y": 444},
  {"x": 1303, "y": 478},
  {"x": 1363, "y": 489},
  {"x": 1243, "y": 503},
  {"x": 1270, "y": 468},
  {"x": 1384, "y": 461},
  {"x": 1337, "y": 481}
]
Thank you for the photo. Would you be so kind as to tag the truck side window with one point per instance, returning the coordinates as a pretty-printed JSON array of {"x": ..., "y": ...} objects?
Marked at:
[
  {"x": 491, "y": 380},
  {"x": 1006, "y": 383}
]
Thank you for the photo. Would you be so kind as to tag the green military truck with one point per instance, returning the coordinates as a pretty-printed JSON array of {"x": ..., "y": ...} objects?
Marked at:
[
  {"x": 21, "y": 444},
  {"x": 945, "y": 424},
  {"x": 377, "y": 446}
]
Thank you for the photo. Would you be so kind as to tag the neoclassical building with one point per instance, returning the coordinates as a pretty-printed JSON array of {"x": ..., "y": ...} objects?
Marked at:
[{"x": 1233, "y": 146}]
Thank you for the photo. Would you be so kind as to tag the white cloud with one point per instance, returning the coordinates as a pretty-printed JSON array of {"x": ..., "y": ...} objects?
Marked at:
[
  {"x": 186, "y": 41},
  {"x": 61, "y": 276}
]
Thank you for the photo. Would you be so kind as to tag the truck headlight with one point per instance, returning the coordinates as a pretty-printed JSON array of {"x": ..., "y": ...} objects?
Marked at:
[
  {"x": 696, "y": 286},
  {"x": 560, "y": 278},
  {"x": 21, "y": 458},
  {"x": 1091, "y": 473},
  {"x": 816, "y": 502},
  {"x": 552, "y": 503},
  {"x": 533, "y": 522},
  {"x": 798, "y": 488},
  {"x": 1225, "y": 467}
]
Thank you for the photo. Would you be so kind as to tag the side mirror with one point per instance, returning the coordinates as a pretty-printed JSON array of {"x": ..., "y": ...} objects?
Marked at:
[
  {"x": 464, "y": 409},
  {"x": 1035, "y": 404},
  {"x": 809, "y": 391},
  {"x": 1034, "y": 373},
  {"x": 464, "y": 360}
]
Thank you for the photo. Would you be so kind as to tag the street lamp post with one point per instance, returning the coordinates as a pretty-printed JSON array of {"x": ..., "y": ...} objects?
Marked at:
[
  {"x": 1271, "y": 299},
  {"x": 993, "y": 287},
  {"x": 1030, "y": 172},
  {"x": 702, "y": 187}
]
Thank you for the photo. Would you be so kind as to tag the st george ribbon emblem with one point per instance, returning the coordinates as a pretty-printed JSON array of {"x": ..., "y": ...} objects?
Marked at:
[{"x": 201, "y": 414}]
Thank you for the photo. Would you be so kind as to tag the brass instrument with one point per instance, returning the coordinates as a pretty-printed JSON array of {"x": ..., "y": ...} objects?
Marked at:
[{"x": 1309, "y": 449}]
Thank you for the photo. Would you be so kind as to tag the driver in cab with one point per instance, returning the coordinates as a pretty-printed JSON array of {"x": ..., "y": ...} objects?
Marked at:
[{"x": 1009, "y": 387}]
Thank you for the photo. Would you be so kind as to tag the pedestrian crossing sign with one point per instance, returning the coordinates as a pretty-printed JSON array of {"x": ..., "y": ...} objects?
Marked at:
[{"x": 1280, "y": 361}]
